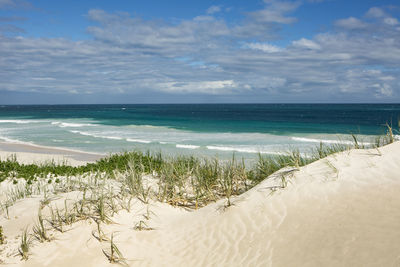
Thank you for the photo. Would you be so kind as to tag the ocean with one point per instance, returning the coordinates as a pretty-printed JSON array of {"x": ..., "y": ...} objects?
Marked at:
[{"x": 215, "y": 130}]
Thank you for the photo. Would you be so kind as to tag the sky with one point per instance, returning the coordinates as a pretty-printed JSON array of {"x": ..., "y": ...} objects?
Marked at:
[{"x": 203, "y": 51}]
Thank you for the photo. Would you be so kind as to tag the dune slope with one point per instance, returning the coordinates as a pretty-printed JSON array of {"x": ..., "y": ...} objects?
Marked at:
[{"x": 343, "y": 210}]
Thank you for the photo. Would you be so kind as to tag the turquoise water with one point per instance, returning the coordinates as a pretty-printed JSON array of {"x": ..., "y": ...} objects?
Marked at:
[{"x": 212, "y": 130}]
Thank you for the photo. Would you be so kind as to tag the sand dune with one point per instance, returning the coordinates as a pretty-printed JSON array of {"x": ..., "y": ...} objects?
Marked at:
[{"x": 343, "y": 210}]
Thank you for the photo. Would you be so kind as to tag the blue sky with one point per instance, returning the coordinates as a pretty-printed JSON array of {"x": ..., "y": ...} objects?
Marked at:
[{"x": 101, "y": 51}]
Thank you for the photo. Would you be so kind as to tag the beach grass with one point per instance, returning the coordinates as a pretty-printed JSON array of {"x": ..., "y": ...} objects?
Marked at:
[
  {"x": 2, "y": 237},
  {"x": 114, "y": 255},
  {"x": 39, "y": 230},
  {"x": 25, "y": 244},
  {"x": 180, "y": 181}
]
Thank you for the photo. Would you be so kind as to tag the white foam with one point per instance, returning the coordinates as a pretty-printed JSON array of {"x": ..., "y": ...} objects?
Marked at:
[
  {"x": 243, "y": 150},
  {"x": 82, "y": 133},
  {"x": 18, "y": 121},
  {"x": 69, "y": 124},
  {"x": 313, "y": 140},
  {"x": 112, "y": 137},
  {"x": 187, "y": 146},
  {"x": 15, "y": 141},
  {"x": 96, "y": 135},
  {"x": 138, "y": 141}
]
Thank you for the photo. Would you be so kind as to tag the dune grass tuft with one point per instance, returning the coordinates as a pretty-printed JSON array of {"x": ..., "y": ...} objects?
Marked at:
[
  {"x": 25, "y": 244},
  {"x": 2, "y": 237},
  {"x": 39, "y": 230},
  {"x": 114, "y": 255}
]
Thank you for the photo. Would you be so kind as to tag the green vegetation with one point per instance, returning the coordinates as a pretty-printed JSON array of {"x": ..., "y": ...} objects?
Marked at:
[
  {"x": 11, "y": 168},
  {"x": 180, "y": 181}
]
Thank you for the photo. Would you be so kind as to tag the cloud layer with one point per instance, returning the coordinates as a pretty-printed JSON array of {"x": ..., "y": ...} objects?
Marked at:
[{"x": 207, "y": 55}]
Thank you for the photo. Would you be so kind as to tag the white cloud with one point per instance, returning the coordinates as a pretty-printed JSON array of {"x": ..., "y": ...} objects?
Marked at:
[
  {"x": 276, "y": 12},
  {"x": 305, "y": 43},
  {"x": 13, "y": 4},
  {"x": 391, "y": 21},
  {"x": 43, "y": 79},
  {"x": 202, "y": 87},
  {"x": 265, "y": 47},
  {"x": 375, "y": 12},
  {"x": 132, "y": 56},
  {"x": 213, "y": 9},
  {"x": 351, "y": 23},
  {"x": 383, "y": 90}
]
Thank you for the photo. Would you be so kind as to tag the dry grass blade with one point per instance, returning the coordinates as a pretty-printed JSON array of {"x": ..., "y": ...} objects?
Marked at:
[
  {"x": 99, "y": 235},
  {"x": 24, "y": 245},
  {"x": 142, "y": 226},
  {"x": 2, "y": 237},
  {"x": 39, "y": 230},
  {"x": 389, "y": 133},
  {"x": 115, "y": 255}
]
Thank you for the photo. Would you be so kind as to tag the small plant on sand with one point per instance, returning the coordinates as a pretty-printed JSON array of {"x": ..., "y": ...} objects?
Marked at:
[
  {"x": 142, "y": 226},
  {"x": 46, "y": 200},
  {"x": 115, "y": 255},
  {"x": 5, "y": 207},
  {"x": 24, "y": 245},
  {"x": 148, "y": 213},
  {"x": 355, "y": 141},
  {"x": 335, "y": 170},
  {"x": 2, "y": 237},
  {"x": 69, "y": 215},
  {"x": 126, "y": 205},
  {"x": 56, "y": 220},
  {"x": 101, "y": 209},
  {"x": 284, "y": 180},
  {"x": 389, "y": 134},
  {"x": 227, "y": 183},
  {"x": 39, "y": 230},
  {"x": 99, "y": 234}
]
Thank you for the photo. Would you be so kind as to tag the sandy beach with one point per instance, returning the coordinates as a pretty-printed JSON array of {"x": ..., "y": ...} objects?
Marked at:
[
  {"x": 342, "y": 210},
  {"x": 38, "y": 154}
]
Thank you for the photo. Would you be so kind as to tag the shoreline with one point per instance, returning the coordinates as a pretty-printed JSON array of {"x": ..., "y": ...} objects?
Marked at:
[{"x": 29, "y": 153}]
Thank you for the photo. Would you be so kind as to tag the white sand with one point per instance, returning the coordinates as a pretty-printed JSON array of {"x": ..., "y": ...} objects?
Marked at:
[
  {"x": 340, "y": 211},
  {"x": 29, "y": 154}
]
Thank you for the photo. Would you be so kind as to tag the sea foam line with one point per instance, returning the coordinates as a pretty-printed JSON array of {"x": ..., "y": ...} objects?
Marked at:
[
  {"x": 96, "y": 135},
  {"x": 313, "y": 140},
  {"x": 187, "y": 146},
  {"x": 69, "y": 124},
  {"x": 138, "y": 141},
  {"x": 15, "y": 141},
  {"x": 243, "y": 150},
  {"x": 18, "y": 121}
]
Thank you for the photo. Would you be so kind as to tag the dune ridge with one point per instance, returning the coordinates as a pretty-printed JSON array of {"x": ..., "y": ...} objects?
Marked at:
[{"x": 343, "y": 210}]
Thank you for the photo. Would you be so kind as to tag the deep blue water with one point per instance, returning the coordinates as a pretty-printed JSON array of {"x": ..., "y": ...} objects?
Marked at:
[{"x": 261, "y": 118}]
